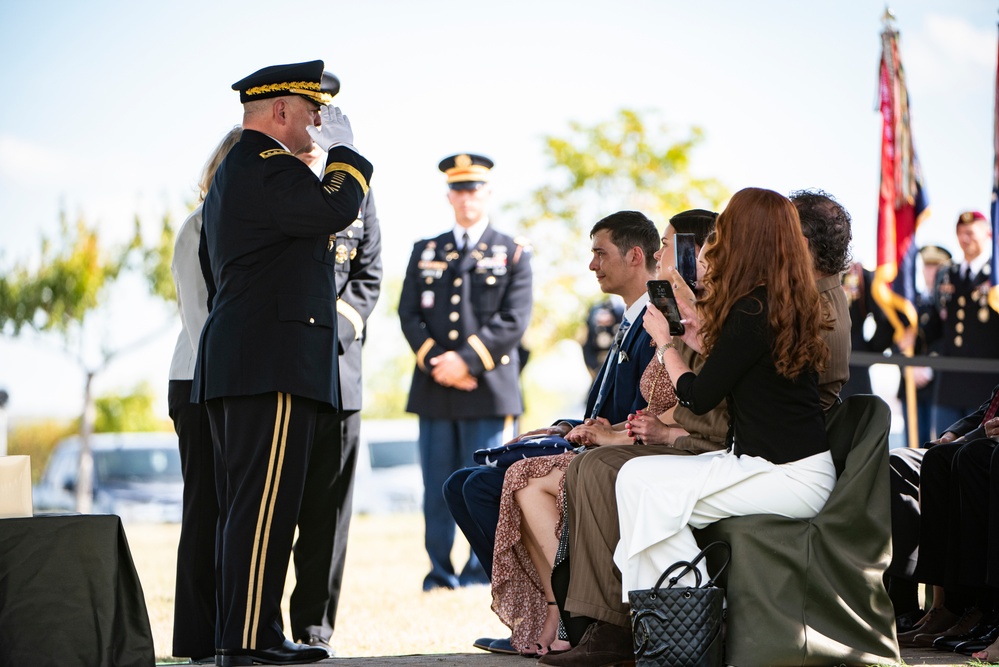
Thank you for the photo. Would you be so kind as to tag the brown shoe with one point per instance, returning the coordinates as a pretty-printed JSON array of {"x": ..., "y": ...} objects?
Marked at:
[
  {"x": 602, "y": 645},
  {"x": 936, "y": 620},
  {"x": 968, "y": 619}
]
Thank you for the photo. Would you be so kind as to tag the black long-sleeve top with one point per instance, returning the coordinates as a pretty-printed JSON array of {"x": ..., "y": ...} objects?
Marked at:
[{"x": 771, "y": 416}]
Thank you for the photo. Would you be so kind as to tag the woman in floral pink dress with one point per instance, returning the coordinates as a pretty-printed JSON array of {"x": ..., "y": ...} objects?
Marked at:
[{"x": 530, "y": 523}]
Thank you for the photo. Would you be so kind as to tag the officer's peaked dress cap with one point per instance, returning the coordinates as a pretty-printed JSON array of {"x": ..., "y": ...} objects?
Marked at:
[
  {"x": 466, "y": 171},
  {"x": 305, "y": 79},
  {"x": 935, "y": 255}
]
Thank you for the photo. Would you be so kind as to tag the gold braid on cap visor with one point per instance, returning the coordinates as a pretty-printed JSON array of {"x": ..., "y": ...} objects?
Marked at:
[{"x": 307, "y": 88}]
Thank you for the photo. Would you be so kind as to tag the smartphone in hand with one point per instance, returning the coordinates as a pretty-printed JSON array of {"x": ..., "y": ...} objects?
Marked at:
[
  {"x": 661, "y": 296},
  {"x": 685, "y": 259}
]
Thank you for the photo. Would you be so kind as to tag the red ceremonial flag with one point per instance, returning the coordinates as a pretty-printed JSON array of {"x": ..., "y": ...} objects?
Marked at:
[
  {"x": 994, "y": 290},
  {"x": 901, "y": 202}
]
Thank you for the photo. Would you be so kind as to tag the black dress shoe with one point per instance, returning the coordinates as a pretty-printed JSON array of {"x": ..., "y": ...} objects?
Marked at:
[
  {"x": 979, "y": 643},
  {"x": 321, "y": 642},
  {"x": 287, "y": 653},
  {"x": 983, "y": 628}
]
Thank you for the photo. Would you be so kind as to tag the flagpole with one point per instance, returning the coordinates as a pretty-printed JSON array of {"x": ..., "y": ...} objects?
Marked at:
[{"x": 900, "y": 207}]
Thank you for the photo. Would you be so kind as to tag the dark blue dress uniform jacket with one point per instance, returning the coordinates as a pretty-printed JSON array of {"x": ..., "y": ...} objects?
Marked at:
[
  {"x": 271, "y": 279},
  {"x": 478, "y": 306},
  {"x": 967, "y": 327}
]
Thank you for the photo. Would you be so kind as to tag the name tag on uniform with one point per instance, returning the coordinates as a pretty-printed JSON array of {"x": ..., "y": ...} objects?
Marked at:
[{"x": 427, "y": 299}]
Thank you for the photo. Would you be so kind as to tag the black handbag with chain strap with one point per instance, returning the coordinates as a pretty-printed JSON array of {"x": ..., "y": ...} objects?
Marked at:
[{"x": 680, "y": 626}]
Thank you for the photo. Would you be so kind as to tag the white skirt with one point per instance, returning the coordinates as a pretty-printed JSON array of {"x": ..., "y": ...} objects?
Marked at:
[{"x": 660, "y": 498}]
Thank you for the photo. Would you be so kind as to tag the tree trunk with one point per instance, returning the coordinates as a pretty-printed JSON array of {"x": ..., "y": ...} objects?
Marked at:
[{"x": 85, "y": 476}]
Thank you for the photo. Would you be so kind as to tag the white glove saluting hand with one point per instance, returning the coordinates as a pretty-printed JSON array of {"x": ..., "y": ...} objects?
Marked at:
[{"x": 334, "y": 131}]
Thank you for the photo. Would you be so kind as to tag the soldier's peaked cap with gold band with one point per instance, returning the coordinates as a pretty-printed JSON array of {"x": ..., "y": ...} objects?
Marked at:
[
  {"x": 466, "y": 171},
  {"x": 305, "y": 79}
]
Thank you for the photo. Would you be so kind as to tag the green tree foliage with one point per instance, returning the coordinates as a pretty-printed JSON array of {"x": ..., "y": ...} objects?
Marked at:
[
  {"x": 127, "y": 412},
  {"x": 633, "y": 161},
  {"x": 156, "y": 260},
  {"x": 69, "y": 281},
  {"x": 58, "y": 294}
]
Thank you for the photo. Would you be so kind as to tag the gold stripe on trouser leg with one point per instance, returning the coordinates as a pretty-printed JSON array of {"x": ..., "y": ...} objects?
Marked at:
[{"x": 262, "y": 535}]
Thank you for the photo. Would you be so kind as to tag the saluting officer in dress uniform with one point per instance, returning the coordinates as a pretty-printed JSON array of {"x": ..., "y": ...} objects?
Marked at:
[
  {"x": 324, "y": 518},
  {"x": 267, "y": 361},
  {"x": 965, "y": 322},
  {"x": 466, "y": 302}
]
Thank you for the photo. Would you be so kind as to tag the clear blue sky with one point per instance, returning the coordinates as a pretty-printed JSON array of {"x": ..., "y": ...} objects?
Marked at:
[{"x": 111, "y": 107}]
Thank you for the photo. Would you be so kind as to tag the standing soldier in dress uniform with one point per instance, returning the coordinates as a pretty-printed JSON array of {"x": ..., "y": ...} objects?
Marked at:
[
  {"x": 267, "y": 360},
  {"x": 857, "y": 285},
  {"x": 466, "y": 302},
  {"x": 935, "y": 261},
  {"x": 965, "y": 322},
  {"x": 324, "y": 518},
  {"x": 602, "y": 323}
]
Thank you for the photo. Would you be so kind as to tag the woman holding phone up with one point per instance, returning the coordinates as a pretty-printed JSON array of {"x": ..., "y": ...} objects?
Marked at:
[{"x": 759, "y": 328}]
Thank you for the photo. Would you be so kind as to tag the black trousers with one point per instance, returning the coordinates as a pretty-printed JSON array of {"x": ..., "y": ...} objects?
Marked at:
[
  {"x": 976, "y": 464},
  {"x": 194, "y": 597},
  {"x": 323, "y": 525},
  {"x": 904, "y": 464},
  {"x": 938, "y": 507},
  {"x": 262, "y": 447},
  {"x": 955, "y": 525}
]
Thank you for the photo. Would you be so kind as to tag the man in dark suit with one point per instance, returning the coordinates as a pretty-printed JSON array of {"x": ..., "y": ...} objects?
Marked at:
[
  {"x": 952, "y": 547},
  {"x": 267, "y": 360},
  {"x": 324, "y": 518},
  {"x": 965, "y": 323},
  {"x": 623, "y": 245},
  {"x": 466, "y": 301}
]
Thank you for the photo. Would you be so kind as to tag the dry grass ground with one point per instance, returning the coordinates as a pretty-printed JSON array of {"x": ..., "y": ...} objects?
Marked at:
[{"x": 383, "y": 610}]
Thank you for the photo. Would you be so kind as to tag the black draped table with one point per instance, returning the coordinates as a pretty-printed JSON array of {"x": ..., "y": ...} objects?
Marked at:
[{"x": 69, "y": 594}]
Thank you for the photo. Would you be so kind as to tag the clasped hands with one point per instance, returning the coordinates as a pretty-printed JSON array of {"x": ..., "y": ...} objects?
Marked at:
[
  {"x": 450, "y": 370},
  {"x": 591, "y": 432},
  {"x": 644, "y": 428}
]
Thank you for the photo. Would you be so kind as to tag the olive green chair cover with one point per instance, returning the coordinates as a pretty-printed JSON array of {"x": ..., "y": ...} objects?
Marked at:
[{"x": 810, "y": 592}]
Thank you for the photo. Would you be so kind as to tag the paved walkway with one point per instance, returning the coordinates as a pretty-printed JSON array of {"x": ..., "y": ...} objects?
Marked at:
[{"x": 911, "y": 658}]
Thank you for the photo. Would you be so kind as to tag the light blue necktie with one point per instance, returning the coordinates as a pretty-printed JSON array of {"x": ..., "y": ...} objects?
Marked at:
[{"x": 610, "y": 365}]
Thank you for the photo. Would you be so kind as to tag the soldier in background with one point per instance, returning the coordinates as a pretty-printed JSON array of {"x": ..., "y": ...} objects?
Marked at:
[
  {"x": 934, "y": 258},
  {"x": 964, "y": 322},
  {"x": 857, "y": 284},
  {"x": 466, "y": 302},
  {"x": 601, "y": 326}
]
